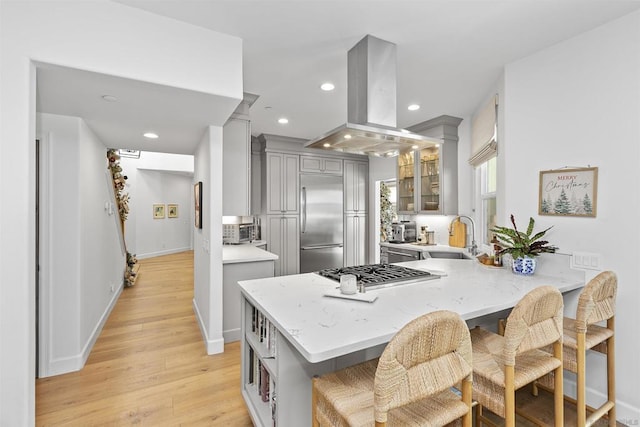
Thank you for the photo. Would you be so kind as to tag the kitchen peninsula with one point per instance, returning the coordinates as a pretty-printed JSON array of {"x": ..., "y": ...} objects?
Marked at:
[{"x": 310, "y": 334}]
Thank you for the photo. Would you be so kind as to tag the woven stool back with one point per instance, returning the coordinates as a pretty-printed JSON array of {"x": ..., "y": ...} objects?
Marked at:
[
  {"x": 428, "y": 355},
  {"x": 535, "y": 322},
  {"x": 597, "y": 300}
]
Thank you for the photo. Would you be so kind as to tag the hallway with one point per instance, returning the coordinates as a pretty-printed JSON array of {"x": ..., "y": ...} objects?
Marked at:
[{"x": 149, "y": 366}]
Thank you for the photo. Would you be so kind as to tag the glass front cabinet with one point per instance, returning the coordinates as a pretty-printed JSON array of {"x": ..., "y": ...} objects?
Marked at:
[{"x": 428, "y": 180}]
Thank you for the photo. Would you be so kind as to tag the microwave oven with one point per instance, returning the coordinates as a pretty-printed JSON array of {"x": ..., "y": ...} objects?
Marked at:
[{"x": 232, "y": 234}]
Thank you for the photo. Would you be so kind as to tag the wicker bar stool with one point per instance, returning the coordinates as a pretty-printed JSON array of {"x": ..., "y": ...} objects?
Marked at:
[
  {"x": 504, "y": 364},
  {"x": 409, "y": 385},
  {"x": 596, "y": 303}
]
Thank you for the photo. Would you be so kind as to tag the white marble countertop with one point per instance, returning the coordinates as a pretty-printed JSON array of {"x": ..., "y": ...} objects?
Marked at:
[
  {"x": 245, "y": 253},
  {"x": 322, "y": 328}
]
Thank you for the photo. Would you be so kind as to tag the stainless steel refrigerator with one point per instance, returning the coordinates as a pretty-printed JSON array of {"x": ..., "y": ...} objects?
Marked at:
[{"x": 321, "y": 222}]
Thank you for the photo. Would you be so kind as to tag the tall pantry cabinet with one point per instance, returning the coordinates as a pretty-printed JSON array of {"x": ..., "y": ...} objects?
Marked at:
[
  {"x": 281, "y": 207},
  {"x": 356, "y": 175}
]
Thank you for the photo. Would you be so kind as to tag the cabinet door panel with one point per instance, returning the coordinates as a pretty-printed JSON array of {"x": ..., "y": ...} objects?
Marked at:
[
  {"x": 290, "y": 195},
  {"x": 355, "y": 186},
  {"x": 333, "y": 166},
  {"x": 283, "y": 240},
  {"x": 275, "y": 166},
  {"x": 355, "y": 241},
  {"x": 310, "y": 164},
  {"x": 236, "y": 167}
]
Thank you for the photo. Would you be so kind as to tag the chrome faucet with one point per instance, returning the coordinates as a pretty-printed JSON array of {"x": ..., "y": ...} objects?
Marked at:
[{"x": 473, "y": 248}]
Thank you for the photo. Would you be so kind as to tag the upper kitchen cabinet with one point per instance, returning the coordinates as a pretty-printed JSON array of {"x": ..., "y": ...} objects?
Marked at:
[
  {"x": 326, "y": 165},
  {"x": 356, "y": 175},
  {"x": 236, "y": 165},
  {"x": 282, "y": 183},
  {"x": 428, "y": 178}
]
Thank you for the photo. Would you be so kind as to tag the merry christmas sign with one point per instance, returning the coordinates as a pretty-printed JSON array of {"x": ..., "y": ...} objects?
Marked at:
[{"x": 569, "y": 192}]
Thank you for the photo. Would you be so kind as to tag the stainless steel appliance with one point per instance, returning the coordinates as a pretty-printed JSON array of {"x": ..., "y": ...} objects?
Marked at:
[
  {"x": 375, "y": 276},
  {"x": 321, "y": 222},
  {"x": 389, "y": 255},
  {"x": 403, "y": 232},
  {"x": 233, "y": 234}
]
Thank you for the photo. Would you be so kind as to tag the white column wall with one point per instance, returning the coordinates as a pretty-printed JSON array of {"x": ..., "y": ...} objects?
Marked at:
[
  {"x": 577, "y": 104},
  {"x": 207, "y": 242}
]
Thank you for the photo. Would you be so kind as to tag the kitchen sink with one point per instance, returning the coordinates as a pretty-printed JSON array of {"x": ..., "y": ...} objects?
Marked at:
[{"x": 448, "y": 255}]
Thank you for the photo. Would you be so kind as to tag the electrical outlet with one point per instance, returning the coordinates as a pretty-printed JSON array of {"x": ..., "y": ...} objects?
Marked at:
[
  {"x": 586, "y": 261},
  {"x": 113, "y": 287}
]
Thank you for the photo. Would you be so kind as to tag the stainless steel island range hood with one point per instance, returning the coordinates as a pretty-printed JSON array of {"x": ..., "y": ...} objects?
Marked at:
[{"x": 371, "y": 106}]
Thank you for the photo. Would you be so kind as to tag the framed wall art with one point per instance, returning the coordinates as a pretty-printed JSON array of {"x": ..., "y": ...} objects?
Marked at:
[
  {"x": 172, "y": 211},
  {"x": 158, "y": 211},
  {"x": 568, "y": 192},
  {"x": 197, "y": 193}
]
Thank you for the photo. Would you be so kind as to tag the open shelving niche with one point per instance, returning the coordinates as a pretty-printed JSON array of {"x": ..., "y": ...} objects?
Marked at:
[{"x": 289, "y": 375}]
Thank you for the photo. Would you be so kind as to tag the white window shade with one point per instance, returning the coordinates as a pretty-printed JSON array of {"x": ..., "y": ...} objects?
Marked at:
[{"x": 483, "y": 133}]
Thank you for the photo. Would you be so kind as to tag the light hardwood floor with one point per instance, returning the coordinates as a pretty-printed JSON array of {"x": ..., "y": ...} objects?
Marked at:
[{"x": 149, "y": 366}]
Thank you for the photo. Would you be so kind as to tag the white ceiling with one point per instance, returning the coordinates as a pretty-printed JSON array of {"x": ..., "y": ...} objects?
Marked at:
[{"x": 450, "y": 54}]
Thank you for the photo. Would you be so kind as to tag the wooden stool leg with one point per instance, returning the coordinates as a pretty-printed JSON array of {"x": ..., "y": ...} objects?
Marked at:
[
  {"x": 479, "y": 415},
  {"x": 314, "y": 403},
  {"x": 611, "y": 373},
  {"x": 558, "y": 392},
  {"x": 581, "y": 406},
  {"x": 466, "y": 398},
  {"x": 509, "y": 396}
]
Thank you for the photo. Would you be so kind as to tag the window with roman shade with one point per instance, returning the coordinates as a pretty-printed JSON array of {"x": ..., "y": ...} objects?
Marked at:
[{"x": 484, "y": 143}]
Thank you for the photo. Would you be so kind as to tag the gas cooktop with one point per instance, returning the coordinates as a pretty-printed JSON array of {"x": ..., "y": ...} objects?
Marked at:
[{"x": 375, "y": 276}]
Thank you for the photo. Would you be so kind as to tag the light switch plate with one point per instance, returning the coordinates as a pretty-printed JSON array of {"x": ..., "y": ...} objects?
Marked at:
[{"x": 586, "y": 261}]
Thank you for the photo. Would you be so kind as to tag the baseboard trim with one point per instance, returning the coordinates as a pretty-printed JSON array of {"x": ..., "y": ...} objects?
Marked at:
[
  {"x": 77, "y": 362},
  {"x": 626, "y": 413},
  {"x": 231, "y": 335},
  {"x": 212, "y": 346},
  {"x": 165, "y": 252}
]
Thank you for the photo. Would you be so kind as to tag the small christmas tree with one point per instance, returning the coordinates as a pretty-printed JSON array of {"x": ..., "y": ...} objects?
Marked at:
[{"x": 562, "y": 205}]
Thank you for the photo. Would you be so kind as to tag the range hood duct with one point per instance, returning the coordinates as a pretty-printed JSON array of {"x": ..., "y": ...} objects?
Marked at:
[{"x": 371, "y": 106}]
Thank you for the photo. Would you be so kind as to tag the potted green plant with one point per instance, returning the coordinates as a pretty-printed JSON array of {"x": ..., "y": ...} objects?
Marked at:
[{"x": 522, "y": 246}]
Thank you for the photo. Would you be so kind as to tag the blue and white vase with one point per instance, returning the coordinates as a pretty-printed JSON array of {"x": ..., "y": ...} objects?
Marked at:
[{"x": 525, "y": 266}]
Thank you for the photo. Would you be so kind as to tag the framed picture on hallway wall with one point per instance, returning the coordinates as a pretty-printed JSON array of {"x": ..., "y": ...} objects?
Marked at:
[
  {"x": 158, "y": 211},
  {"x": 172, "y": 211},
  {"x": 197, "y": 197}
]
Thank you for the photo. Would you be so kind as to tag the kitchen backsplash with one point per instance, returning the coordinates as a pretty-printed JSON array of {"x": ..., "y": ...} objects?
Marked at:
[{"x": 437, "y": 223}]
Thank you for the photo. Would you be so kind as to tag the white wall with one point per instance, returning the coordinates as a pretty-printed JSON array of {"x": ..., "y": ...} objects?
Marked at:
[
  {"x": 99, "y": 36},
  {"x": 577, "y": 104},
  {"x": 83, "y": 260},
  {"x": 207, "y": 241},
  {"x": 158, "y": 178}
]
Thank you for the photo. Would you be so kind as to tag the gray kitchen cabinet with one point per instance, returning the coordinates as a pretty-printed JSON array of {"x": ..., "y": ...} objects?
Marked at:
[
  {"x": 355, "y": 239},
  {"x": 316, "y": 164},
  {"x": 236, "y": 167},
  {"x": 283, "y": 239},
  {"x": 282, "y": 184},
  {"x": 232, "y": 273},
  {"x": 427, "y": 180},
  {"x": 356, "y": 175}
]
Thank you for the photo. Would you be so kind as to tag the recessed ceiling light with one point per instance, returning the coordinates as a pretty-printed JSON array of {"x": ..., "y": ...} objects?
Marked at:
[
  {"x": 327, "y": 86},
  {"x": 437, "y": 145},
  {"x": 283, "y": 120},
  {"x": 326, "y": 145},
  {"x": 150, "y": 135},
  {"x": 413, "y": 107},
  {"x": 414, "y": 147},
  {"x": 347, "y": 136},
  {"x": 404, "y": 131},
  {"x": 109, "y": 98}
]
